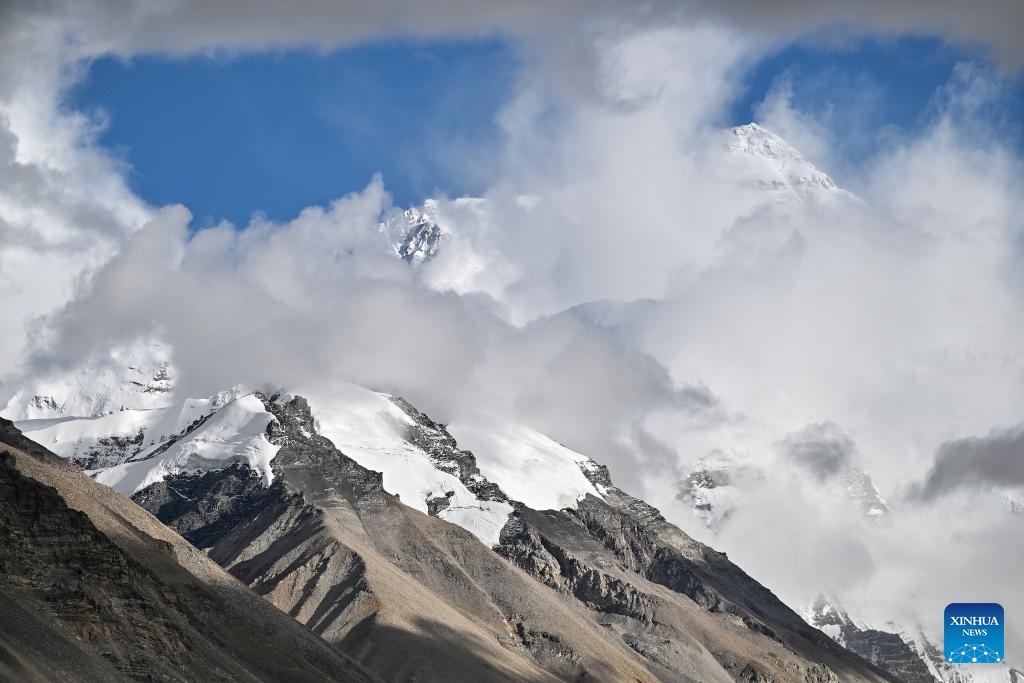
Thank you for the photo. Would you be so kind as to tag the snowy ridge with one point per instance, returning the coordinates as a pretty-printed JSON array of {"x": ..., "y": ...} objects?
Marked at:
[
  {"x": 369, "y": 428},
  {"x": 235, "y": 433},
  {"x": 193, "y": 436},
  {"x": 527, "y": 466},
  {"x": 133, "y": 448}
]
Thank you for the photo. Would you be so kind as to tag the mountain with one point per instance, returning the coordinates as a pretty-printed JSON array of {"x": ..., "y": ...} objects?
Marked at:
[
  {"x": 366, "y": 521},
  {"x": 715, "y": 489},
  {"x": 770, "y": 164},
  {"x": 378, "y": 529},
  {"x": 93, "y": 588},
  {"x": 716, "y": 485}
]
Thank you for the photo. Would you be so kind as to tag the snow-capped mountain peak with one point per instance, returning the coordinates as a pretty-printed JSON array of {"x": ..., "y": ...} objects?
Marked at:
[
  {"x": 770, "y": 152},
  {"x": 763, "y": 161}
]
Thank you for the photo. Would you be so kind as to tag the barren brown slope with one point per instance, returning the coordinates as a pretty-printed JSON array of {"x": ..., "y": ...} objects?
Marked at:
[
  {"x": 328, "y": 545},
  {"x": 411, "y": 597},
  {"x": 93, "y": 588}
]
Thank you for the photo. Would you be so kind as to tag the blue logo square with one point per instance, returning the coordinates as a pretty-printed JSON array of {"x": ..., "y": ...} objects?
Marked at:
[{"x": 973, "y": 633}]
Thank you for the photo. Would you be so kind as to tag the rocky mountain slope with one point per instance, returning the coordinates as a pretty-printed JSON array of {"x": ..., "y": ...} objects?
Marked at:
[
  {"x": 458, "y": 573},
  {"x": 95, "y": 589}
]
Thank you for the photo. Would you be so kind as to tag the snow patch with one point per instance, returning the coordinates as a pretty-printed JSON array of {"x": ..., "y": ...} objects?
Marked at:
[{"x": 528, "y": 466}]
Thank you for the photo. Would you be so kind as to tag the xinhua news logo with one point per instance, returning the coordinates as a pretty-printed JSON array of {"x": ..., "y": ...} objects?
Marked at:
[{"x": 973, "y": 633}]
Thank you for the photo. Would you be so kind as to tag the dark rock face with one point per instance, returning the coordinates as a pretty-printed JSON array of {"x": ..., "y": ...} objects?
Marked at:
[
  {"x": 561, "y": 569},
  {"x": 567, "y": 550},
  {"x": 316, "y": 466},
  {"x": 93, "y": 589},
  {"x": 208, "y": 506}
]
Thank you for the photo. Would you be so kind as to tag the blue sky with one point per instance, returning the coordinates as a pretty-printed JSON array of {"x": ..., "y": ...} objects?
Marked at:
[{"x": 277, "y": 132}]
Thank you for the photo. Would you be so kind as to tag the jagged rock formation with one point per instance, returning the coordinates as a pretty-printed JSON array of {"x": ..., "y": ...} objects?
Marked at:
[
  {"x": 606, "y": 591},
  {"x": 93, "y": 588}
]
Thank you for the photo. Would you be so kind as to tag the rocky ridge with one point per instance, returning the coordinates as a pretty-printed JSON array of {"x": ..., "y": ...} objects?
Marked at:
[{"x": 326, "y": 543}]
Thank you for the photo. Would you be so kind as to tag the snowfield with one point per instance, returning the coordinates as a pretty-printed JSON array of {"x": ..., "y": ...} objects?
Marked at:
[{"x": 528, "y": 466}]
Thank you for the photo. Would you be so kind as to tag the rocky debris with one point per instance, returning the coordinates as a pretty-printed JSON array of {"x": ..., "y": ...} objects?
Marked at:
[
  {"x": 819, "y": 673},
  {"x": 750, "y": 674},
  {"x": 545, "y": 646}
]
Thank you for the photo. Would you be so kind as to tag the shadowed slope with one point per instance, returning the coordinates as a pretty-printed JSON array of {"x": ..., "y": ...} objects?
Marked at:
[{"x": 95, "y": 589}]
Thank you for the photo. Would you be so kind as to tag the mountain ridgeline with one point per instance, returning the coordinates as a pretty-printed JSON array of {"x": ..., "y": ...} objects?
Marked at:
[{"x": 606, "y": 590}]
